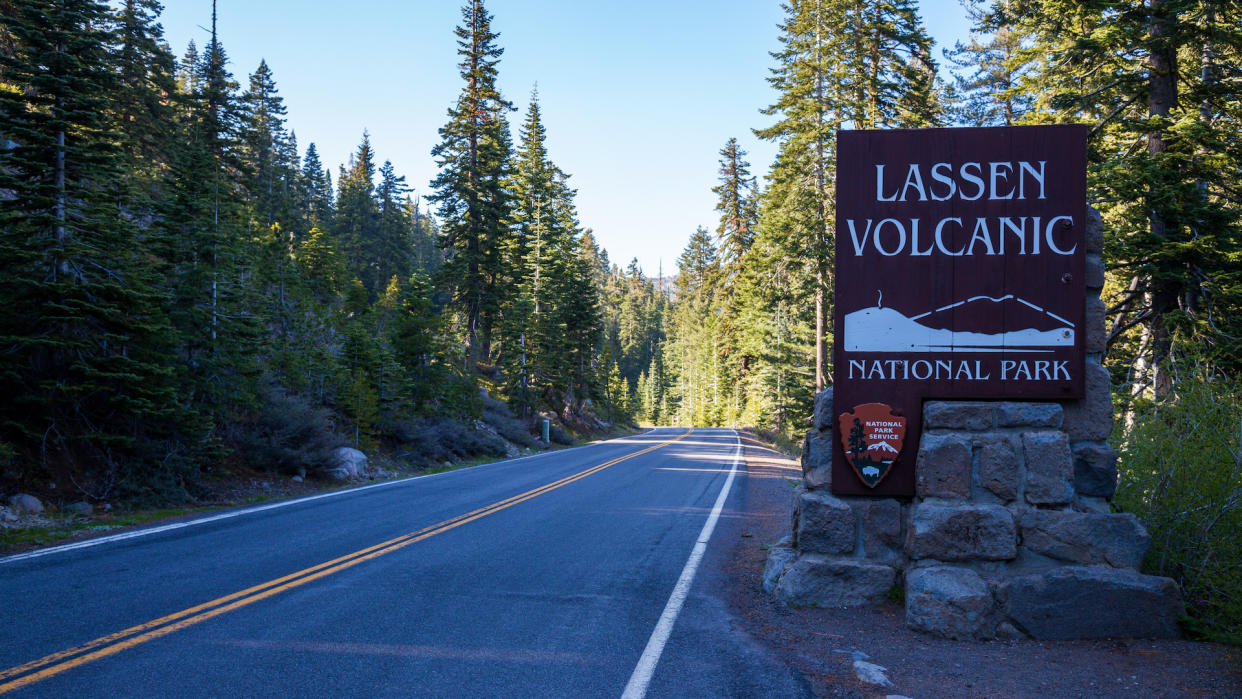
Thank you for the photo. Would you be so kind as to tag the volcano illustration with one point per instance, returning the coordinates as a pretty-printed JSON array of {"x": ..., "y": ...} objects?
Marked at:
[
  {"x": 879, "y": 329},
  {"x": 881, "y": 446}
]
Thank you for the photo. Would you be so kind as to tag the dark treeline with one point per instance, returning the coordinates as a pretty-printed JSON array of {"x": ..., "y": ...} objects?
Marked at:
[{"x": 186, "y": 290}]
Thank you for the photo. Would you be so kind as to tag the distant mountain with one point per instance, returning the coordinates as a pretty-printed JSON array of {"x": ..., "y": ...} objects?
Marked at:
[
  {"x": 881, "y": 446},
  {"x": 878, "y": 329},
  {"x": 974, "y": 314}
]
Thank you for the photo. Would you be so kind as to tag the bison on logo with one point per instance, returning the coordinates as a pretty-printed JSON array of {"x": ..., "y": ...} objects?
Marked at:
[{"x": 872, "y": 437}]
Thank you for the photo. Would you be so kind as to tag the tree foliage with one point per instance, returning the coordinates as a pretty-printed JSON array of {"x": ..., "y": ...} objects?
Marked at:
[{"x": 187, "y": 292}]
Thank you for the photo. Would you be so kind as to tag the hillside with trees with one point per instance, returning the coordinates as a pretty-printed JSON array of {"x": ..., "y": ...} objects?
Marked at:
[{"x": 189, "y": 292}]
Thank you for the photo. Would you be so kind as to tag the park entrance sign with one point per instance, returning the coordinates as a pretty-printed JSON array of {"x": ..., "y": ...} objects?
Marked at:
[{"x": 960, "y": 274}]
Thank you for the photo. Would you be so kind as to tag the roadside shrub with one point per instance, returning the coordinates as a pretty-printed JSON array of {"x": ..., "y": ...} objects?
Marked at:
[
  {"x": 497, "y": 414},
  {"x": 288, "y": 434},
  {"x": 433, "y": 440},
  {"x": 1181, "y": 473},
  {"x": 558, "y": 435}
]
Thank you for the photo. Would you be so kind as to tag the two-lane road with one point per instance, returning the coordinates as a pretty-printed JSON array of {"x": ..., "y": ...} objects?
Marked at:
[{"x": 568, "y": 573}]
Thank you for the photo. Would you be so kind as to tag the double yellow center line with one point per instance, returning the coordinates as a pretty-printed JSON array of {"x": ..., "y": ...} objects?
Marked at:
[{"x": 104, "y": 646}]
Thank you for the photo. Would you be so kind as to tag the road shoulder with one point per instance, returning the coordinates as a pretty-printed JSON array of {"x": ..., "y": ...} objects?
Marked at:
[{"x": 822, "y": 644}]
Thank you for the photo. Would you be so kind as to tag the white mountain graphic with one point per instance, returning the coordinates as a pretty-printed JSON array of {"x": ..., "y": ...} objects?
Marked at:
[
  {"x": 879, "y": 329},
  {"x": 881, "y": 446}
]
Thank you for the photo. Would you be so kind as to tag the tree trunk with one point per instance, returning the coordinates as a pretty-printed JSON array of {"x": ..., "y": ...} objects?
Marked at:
[{"x": 1162, "y": 95}]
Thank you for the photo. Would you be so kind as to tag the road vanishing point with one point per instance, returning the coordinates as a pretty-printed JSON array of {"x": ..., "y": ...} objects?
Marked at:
[{"x": 596, "y": 571}]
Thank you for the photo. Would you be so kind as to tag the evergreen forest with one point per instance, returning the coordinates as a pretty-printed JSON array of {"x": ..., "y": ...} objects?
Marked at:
[{"x": 187, "y": 290}]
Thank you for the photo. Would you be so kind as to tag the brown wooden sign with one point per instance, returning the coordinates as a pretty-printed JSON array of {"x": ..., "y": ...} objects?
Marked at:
[{"x": 959, "y": 274}]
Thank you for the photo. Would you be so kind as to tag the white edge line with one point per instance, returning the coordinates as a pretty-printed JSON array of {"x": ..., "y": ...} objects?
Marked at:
[
  {"x": 88, "y": 543},
  {"x": 636, "y": 688}
]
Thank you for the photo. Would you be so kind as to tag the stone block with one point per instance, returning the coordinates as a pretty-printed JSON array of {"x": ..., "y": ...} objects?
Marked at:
[
  {"x": 1091, "y": 419},
  {"x": 1095, "y": 273},
  {"x": 1096, "y": 339},
  {"x": 958, "y": 415},
  {"x": 1092, "y": 505},
  {"x": 1014, "y": 414},
  {"x": 825, "y": 524},
  {"x": 780, "y": 558},
  {"x": 823, "y": 417},
  {"x": 795, "y": 512},
  {"x": 1118, "y": 540},
  {"x": 1095, "y": 469},
  {"x": 950, "y": 603},
  {"x": 816, "y": 580},
  {"x": 1094, "y": 243},
  {"x": 1092, "y": 602},
  {"x": 1049, "y": 468},
  {"x": 352, "y": 460},
  {"x": 962, "y": 533},
  {"x": 943, "y": 466},
  {"x": 817, "y": 460},
  {"x": 23, "y": 503},
  {"x": 880, "y": 522},
  {"x": 999, "y": 470}
]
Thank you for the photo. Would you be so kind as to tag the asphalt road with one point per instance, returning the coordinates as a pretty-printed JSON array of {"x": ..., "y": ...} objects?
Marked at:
[{"x": 541, "y": 576}]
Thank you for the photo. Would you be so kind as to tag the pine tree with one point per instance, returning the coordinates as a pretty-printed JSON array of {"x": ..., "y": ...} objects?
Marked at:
[
  {"x": 188, "y": 72},
  {"x": 84, "y": 331},
  {"x": 141, "y": 110},
  {"x": 987, "y": 68},
  {"x": 1154, "y": 81},
  {"x": 263, "y": 138},
  {"x": 423, "y": 236},
  {"x": 865, "y": 64},
  {"x": 799, "y": 218},
  {"x": 473, "y": 158},
  {"x": 210, "y": 264},
  {"x": 393, "y": 247},
  {"x": 693, "y": 349},
  {"x": 356, "y": 219},
  {"x": 737, "y": 213},
  {"x": 581, "y": 314},
  {"x": 317, "y": 184}
]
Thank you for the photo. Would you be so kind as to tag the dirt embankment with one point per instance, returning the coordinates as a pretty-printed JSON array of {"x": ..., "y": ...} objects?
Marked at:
[{"x": 824, "y": 643}]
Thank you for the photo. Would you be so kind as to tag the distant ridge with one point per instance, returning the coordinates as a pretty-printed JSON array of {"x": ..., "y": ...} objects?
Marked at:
[
  {"x": 878, "y": 329},
  {"x": 996, "y": 299}
]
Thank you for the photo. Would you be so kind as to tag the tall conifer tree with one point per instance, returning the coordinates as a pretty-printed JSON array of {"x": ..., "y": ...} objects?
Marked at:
[
  {"x": 1154, "y": 81},
  {"x": 356, "y": 219},
  {"x": 84, "y": 367},
  {"x": 210, "y": 263},
  {"x": 471, "y": 186}
]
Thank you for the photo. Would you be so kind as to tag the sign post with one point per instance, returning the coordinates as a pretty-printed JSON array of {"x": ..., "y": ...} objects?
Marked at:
[{"x": 960, "y": 274}]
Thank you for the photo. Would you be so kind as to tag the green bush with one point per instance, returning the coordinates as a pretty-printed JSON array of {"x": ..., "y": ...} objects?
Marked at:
[
  {"x": 497, "y": 414},
  {"x": 288, "y": 434},
  {"x": 1181, "y": 473},
  {"x": 432, "y": 440},
  {"x": 558, "y": 435}
]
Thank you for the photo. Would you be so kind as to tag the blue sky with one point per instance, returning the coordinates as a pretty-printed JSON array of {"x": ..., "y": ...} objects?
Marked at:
[{"x": 638, "y": 97}]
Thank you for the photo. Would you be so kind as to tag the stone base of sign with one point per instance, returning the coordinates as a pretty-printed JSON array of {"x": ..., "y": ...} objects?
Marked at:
[{"x": 1009, "y": 534}]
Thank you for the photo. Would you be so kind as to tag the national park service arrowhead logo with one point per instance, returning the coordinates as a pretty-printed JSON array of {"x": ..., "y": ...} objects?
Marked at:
[{"x": 872, "y": 437}]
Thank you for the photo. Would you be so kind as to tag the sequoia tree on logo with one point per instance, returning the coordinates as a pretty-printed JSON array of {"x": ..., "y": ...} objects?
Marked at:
[{"x": 872, "y": 437}]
